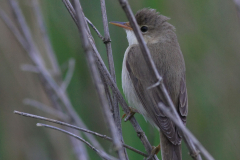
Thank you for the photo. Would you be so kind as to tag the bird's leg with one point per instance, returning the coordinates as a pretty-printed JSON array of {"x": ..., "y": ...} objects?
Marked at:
[
  {"x": 129, "y": 114},
  {"x": 154, "y": 151}
]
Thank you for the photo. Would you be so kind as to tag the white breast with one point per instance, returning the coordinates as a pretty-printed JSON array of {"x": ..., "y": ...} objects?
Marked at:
[
  {"x": 127, "y": 85},
  {"x": 128, "y": 88}
]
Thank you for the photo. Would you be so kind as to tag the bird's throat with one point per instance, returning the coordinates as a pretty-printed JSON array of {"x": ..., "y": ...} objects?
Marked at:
[
  {"x": 132, "y": 40},
  {"x": 131, "y": 37}
]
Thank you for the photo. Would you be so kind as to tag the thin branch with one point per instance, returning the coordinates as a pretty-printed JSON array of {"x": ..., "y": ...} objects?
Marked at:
[
  {"x": 71, "y": 11},
  {"x": 29, "y": 68},
  {"x": 95, "y": 29},
  {"x": 193, "y": 152},
  {"x": 46, "y": 109},
  {"x": 71, "y": 67},
  {"x": 97, "y": 80},
  {"x": 54, "y": 121},
  {"x": 107, "y": 41},
  {"x": 31, "y": 47},
  {"x": 108, "y": 94},
  {"x": 51, "y": 54},
  {"x": 14, "y": 29},
  {"x": 77, "y": 128},
  {"x": 181, "y": 126},
  {"x": 100, "y": 153},
  {"x": 116, "y": 92}
]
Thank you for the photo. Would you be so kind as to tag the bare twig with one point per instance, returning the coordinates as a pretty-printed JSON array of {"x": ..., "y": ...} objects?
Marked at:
[
  {"x": 77, "y": 128},
  {"x": 71, "y": 11},
  {"x": 181, "y": 126},
  {"x": 97, "y": 81},
  {"x": 71, "y": 66},
  {"x": 14, "y": 29},
  {"x": 100, "y": 153},
  {"x": 95, "y": 29},
  {"x": 107, "y": 41},
  {"x": 31, "y": 47},
  {"x": 51, "y": 54},
  {"x": 78, "y": 147},
  {"x": 29, "y": 68},
  {"x": 46, "y": 109},
  {"x": 193, "y": 152}
]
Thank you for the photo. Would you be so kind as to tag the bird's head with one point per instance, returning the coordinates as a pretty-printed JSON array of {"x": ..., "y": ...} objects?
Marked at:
[{"x": 151, "y": 24}]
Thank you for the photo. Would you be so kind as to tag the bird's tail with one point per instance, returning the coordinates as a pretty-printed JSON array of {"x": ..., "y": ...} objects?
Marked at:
[{"x": 169, "y": 151}]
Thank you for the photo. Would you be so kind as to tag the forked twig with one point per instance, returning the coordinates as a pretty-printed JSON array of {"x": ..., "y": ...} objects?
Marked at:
[{"x": 77, "y": 128}]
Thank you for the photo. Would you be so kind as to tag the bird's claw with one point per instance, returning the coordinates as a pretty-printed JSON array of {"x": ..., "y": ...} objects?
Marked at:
[
  {"x": 154, "y": 151},
  {"x": 129, "y": 114}
]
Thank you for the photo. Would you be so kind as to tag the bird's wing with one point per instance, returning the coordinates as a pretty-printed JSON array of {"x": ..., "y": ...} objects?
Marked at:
[
  {"x": 141, "y": 79},
  {"x": 183, "y": 101}
]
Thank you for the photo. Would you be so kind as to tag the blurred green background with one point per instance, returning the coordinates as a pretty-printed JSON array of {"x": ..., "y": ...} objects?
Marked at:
[{"x": 209, "y": 35}]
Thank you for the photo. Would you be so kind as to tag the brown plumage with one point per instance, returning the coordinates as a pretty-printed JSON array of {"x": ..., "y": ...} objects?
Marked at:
[{"x": 136, "y": 78}]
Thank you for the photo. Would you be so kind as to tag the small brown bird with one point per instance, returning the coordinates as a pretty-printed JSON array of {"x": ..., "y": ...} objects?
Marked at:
[{"x": 162, "y": 42}]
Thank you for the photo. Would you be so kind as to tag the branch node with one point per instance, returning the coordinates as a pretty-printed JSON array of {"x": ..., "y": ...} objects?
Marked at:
[
  {"x": 123, "y": 3},
  {"x": 140, "y": 134},
  {"x": 194, "y": 155},
  {"x": 106, "y": 40}
]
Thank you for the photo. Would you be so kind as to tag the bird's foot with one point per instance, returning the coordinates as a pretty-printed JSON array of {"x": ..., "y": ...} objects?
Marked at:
[
  {"x": 154, "y": 151},
  {"x": 129, "y": 114}
]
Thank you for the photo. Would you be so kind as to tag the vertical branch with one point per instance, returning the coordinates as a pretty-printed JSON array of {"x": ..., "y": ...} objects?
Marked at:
[
  {"x": 97, "y": 80},
  {"x": 107, "y": 41}
]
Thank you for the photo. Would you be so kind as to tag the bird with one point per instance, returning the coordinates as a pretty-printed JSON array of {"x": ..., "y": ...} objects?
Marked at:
[{"x": 161, "y": 39}]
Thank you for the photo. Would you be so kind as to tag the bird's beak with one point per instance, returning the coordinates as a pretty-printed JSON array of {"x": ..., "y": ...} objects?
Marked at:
[{"x": 124, "y": 25}]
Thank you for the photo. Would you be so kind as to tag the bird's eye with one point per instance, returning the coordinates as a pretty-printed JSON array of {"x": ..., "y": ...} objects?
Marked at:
[{"x": 144, "y": 28}]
